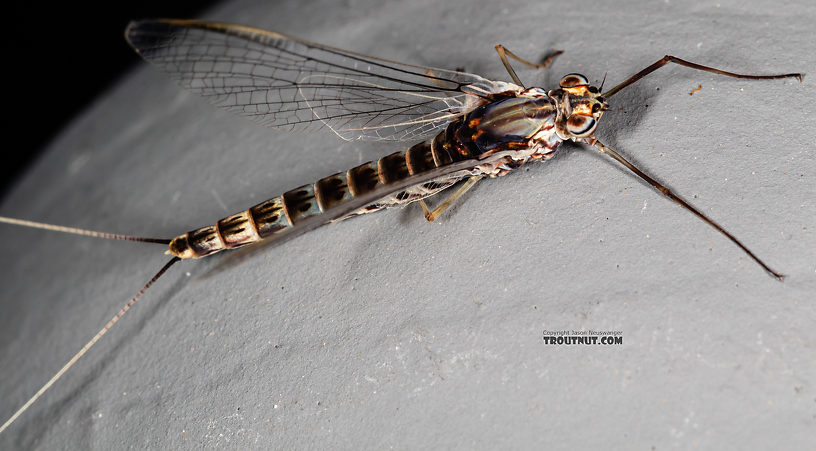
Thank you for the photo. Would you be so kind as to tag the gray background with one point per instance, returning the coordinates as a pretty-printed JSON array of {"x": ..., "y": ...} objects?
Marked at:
[{"x": 386, "y": 331}]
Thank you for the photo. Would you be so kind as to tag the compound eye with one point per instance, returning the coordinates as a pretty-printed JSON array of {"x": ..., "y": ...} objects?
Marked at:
[
  {"x": 581, "y": 126},
  {"x": 573, "y": 80}
]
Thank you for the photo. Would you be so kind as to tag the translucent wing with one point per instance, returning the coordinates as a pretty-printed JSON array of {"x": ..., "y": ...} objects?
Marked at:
[{"x": 284, "y": 82}]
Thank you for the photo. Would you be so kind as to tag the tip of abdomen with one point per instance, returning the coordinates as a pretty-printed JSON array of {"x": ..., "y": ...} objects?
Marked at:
[{"x": 180, "y": 247}]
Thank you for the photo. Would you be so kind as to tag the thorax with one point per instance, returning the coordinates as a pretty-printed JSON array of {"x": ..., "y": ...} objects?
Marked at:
[{"x": 507, "y": 132}]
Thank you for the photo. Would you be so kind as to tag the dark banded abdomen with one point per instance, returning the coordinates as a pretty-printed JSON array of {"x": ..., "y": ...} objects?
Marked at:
[{"x": 278, "y": 216}]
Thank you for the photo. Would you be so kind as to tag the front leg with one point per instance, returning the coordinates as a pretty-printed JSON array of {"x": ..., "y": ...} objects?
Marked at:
[{"x": 673, "y": 59}]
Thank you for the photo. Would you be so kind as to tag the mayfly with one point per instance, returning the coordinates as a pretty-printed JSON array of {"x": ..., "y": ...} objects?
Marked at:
[{"x": 467, "y": 128}]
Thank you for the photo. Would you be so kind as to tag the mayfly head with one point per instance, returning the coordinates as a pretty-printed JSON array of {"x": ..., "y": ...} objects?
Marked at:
[{"x": 580, "y": 107}]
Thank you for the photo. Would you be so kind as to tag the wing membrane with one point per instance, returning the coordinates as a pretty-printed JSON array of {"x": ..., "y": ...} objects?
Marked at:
[{"x": 284, "y": 82}]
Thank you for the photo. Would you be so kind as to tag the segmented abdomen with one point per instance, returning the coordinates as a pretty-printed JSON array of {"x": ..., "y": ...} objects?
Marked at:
[{"x": 280, "y": 215}]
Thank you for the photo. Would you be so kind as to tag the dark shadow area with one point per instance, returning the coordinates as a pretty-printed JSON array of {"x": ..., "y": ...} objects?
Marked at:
[{"x": 59, "y": 57}]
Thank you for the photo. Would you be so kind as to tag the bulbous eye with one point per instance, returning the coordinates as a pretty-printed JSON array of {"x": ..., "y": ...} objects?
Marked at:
[
  {"x": 580, "y": 125},
  {"x": 573, "y": 80}
]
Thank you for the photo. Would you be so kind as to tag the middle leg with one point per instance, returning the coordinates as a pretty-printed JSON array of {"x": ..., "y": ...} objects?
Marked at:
[{"x": 504, "y": 53}]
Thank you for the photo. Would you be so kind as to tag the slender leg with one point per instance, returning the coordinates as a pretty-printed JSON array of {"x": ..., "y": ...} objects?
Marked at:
[
  {"x": 437, "y": 212},
  {"x": 504, "y": 53},
  {"x": 603, "y": 149},
  {"x": 673, "y": 59},
  {"x": 425, "y": 210}
]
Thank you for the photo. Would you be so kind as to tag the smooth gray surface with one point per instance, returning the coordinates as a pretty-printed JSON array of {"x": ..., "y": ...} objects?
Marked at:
[{"x": 385, "y": 331}]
